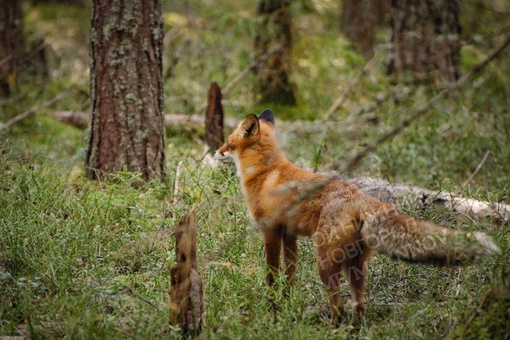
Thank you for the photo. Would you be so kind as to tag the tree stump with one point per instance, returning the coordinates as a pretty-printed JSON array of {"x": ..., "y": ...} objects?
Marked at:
[
  {"x": 214, "y": 119},
  {"x": 186, "y": 295}
]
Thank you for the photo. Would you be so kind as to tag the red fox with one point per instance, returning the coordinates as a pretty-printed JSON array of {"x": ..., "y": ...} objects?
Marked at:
[{"x": 345, "y": 224}]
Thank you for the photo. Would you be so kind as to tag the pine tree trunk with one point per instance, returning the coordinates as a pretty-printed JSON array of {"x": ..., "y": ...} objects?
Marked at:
[
  {"x": 11, "y": 43},
  {"x": 425, "y": 38},
  {"x": 127, "y": 126},
  {"x": 273, "y": 76},
  {"x": 359, "y": 18}
]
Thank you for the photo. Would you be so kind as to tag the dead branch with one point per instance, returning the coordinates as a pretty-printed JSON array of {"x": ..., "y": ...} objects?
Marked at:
[
  {"x": 263, "y": 58},
  {"x": 5, "y": 60},
  {"x": 30, "y": 112}
]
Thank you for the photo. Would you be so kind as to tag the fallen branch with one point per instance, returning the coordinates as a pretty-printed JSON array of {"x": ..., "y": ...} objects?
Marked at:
[
  {"x": 30, "y": 112},
  {"x": 420, "y": 112},
  {"x": 80, "y": 120}
]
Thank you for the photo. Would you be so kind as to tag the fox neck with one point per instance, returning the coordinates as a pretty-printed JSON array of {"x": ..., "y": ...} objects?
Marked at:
[{"x": 254, "y": 165}]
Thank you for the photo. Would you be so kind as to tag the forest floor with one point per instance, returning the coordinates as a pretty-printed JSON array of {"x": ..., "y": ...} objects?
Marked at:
[{"x": 84, "y": 259}]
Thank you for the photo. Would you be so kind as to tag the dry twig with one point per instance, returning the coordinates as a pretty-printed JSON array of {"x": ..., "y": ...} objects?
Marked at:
[{"x": 478, "y": 167}]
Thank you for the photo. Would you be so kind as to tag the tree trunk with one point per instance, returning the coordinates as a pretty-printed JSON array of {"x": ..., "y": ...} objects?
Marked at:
[
  {"x": 425, "y": 38},
  {"x": 359, "y": 19},
  {"x": 11, "y": 43},
  {"x": 126, "y": 130},
  {"x": 273, "y": 75}
]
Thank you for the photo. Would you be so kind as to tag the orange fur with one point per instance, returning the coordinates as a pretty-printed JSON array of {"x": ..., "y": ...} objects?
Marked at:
[{"x": 345, "y": 224}]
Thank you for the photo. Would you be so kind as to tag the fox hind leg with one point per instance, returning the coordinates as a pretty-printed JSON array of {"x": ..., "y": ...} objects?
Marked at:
[
  {"x": 330, "y": 273},
  {"x": 355, "y": 269}
]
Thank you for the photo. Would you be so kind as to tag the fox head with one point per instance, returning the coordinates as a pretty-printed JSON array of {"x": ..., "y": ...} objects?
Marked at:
[{"x": 252, "y": 131}]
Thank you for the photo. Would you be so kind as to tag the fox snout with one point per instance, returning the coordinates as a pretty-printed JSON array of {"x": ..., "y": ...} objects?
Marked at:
[{"x": 223, "y": 157}]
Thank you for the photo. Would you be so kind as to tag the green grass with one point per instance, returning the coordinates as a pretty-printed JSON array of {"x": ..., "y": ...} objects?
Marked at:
[
  {"x": 83, "y": 259},
  {"x": 92, "y": 259}
]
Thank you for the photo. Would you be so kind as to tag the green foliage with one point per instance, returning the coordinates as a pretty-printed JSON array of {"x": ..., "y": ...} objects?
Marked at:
[{"x": 87, "y": 259}]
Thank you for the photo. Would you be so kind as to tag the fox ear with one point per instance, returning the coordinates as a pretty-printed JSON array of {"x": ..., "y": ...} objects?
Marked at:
[
  {"x": 267, "y": 116},
  {"x": 250, "y": 126}
]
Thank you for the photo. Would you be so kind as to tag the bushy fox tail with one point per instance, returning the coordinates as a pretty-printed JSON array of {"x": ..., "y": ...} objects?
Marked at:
[{"x": 405, "y": 238}]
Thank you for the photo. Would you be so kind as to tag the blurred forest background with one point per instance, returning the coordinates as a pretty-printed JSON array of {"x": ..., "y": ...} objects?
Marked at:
[
  {"x": 321, "y": 70},
  {"x": 408, "y": 91}
]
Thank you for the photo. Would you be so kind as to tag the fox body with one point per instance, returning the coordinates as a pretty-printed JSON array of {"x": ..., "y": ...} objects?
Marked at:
[{"x": 345, "y": 224}]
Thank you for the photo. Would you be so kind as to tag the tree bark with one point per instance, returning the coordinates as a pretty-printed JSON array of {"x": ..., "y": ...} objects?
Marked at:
[
  {"x": 126, "y": 130},
  {"x": 359, "y": 19},
  {"x": 425, "y": 38},
  {"x": 273, "y": 75},
  {"x": 11, "y": 43}
]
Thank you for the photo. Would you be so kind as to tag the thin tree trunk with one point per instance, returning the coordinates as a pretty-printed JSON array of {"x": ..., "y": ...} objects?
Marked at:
[
  {"x": 273, "y": 75},
  {"x": 359, "y": 18},
  {"x": 11, "y": 43},
  {"x": 425, "y": 38},
  {"x": 127, "y": 125}
]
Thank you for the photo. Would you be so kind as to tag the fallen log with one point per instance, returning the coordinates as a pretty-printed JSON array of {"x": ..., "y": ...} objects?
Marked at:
[{"x": 418, "y": 198}]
